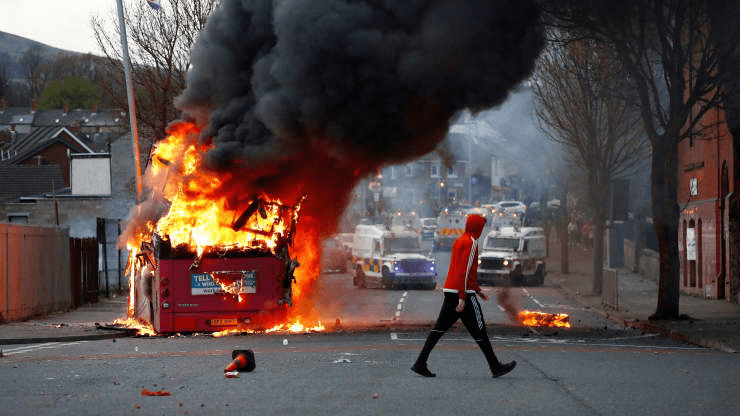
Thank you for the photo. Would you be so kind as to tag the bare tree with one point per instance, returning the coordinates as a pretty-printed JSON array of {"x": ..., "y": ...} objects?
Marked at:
[
  {"x": 159, "y": 46},
  {"x": 577, "y": 105},
  {"x": 677, "y": 54},
  {"x": 35, "y": 70}
]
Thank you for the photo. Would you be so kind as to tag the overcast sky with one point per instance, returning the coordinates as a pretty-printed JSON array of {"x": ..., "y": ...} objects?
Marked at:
[{"x": 62, "y": 24}]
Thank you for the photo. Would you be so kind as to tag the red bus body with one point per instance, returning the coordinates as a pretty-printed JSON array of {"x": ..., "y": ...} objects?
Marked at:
[{"x": 185, "y": 299}]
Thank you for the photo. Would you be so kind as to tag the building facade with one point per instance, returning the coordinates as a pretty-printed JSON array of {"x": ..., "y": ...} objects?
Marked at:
[{"x": 707, "y": 193}]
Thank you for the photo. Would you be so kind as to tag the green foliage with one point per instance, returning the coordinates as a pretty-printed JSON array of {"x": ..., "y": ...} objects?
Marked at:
[{"x": 76, "y": 92}]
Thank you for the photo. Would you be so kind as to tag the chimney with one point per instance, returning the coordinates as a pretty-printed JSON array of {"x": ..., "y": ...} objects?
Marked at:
[
  {"x": 95, "y": 107},
  {"x": 34, "y": 105},
  {"x": 66, "y": 107},
  {"x": 3, "y": 103}
]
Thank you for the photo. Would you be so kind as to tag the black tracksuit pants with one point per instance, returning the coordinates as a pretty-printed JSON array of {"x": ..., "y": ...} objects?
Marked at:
[{"x": 472, "y": 318}]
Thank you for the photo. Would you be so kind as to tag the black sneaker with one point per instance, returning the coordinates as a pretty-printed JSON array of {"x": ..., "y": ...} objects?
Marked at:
[
  {"x": 422, "y": 370},
  {"x": 504, "y": 368}
]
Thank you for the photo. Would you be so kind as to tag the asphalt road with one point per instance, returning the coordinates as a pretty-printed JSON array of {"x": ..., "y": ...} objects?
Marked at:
[
  {"x": 367, "y": 374},
  {"x": 339, "y": 299},
  {"x": 593, "y": 368}
]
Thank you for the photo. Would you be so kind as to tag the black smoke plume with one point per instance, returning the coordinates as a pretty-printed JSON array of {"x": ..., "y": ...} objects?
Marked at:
[{"x": 308, "y": 96}]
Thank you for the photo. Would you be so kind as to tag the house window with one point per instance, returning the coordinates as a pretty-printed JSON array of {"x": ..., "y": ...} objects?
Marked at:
[
  {"x": 18, "y": 218},
  {"x": 393, "y": 172},
  {"x": 451, "y": 173},
  {"x": 409, "y": 170},
  {"x": 435, "y": 171}
]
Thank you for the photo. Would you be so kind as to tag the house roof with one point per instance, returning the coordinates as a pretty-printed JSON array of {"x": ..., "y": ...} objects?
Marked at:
[
  {"x": 16, "y": 115},
  {"x": 60, "y": 118},
  {"x": 87, "y": 118},
  {"x": 29, "y": 180},
  {"x": 41, "y": 138}
]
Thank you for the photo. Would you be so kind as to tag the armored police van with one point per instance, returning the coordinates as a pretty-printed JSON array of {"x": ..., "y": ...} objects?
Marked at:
[
  {"x": 513, "y": 256},
  {"x": 391, "y": 258},
  {"x": 450, "y": 226}
]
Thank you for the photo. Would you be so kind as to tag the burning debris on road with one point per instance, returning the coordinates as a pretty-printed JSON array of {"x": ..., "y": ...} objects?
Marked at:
[
  {"x": 529, "y": 318},
  {"x": 305, "y": 98},
  {"x": 534, "y": 318}
]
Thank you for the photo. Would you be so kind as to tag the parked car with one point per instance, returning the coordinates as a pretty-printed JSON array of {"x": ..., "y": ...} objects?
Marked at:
[
  {"x": 336, "y": 256},
  {"x": 512, "y": 206},
  {"x": 346, "y": 239}
]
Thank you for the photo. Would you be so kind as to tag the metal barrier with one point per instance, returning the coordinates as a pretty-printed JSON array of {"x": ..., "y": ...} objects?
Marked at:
[
  {"x": 34, "y": 271},
  {"x": 610, "y": 289}
]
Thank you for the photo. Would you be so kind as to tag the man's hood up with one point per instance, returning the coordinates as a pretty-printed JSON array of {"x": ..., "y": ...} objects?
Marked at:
[{"x": 474, "y": 225}]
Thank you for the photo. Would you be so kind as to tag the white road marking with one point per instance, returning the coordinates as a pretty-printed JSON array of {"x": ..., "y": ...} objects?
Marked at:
[
  {"x": 557, "y": 341},
  {"x": 534, "y": 299},
  {"x": 38, "y": 347},
  {"x": 399, "y": 306}
]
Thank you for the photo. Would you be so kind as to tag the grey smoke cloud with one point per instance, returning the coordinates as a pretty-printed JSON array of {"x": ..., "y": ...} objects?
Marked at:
[{"x": 295, "y": 93}]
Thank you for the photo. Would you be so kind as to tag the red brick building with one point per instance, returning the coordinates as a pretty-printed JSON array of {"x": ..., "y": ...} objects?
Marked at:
[{"x": 708, "y": 199}]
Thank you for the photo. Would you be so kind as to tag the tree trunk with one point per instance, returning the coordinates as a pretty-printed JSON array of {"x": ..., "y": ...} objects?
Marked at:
[
  {"x": 599, "y": 194},
  {"x": 665, "y": 221}
]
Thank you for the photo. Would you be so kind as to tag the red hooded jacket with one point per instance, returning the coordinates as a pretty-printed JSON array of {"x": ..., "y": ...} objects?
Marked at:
[{"x": 462, "y": 276}]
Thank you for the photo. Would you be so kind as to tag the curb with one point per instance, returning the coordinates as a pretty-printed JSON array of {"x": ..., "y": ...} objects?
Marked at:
[
  {"x": 69, "y": 338},
  {"x": 679, "y": 336},
  {"x": 647, "y": 326}
]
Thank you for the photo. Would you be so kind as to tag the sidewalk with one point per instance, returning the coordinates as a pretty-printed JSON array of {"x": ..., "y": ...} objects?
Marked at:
[
  {"x": 83, "y": 323},
  {"x": 709, "y": 322}
]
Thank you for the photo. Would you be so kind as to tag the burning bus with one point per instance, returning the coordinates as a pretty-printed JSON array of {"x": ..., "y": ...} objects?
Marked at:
[
  {"x": 204, "y": 259},
  {"x": 232, "y": 288}
]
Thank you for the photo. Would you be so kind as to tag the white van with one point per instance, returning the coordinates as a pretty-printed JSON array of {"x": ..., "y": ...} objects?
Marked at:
[
  {"x": 513, "y": 256},
  {"x": 388, "y": 259}
]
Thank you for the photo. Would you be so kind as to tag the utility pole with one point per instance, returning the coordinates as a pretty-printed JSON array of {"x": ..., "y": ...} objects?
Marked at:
[{"x": 131, "y": 101}]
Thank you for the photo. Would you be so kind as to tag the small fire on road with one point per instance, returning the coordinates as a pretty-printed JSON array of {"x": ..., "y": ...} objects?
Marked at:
[
  {"x": 533, "y": 318},
  {"x": 530, "y": 318}
]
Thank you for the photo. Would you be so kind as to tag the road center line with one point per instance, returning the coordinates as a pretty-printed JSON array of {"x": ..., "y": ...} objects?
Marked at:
[
  {"x": 534, "y": 299},
  {"x": 399, "y": 306}
]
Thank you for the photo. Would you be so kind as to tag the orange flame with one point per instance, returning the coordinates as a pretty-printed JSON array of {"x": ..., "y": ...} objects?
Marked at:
[
  {"x": 142, "y": 328},
  {"x": 531, "y": 318},
  {"x": 294, "y": 328},
  {"x": 204, "y": 215}
]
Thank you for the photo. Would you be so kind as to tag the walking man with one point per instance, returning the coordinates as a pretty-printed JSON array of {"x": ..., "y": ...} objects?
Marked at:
[{"x": 460, "y": 302}]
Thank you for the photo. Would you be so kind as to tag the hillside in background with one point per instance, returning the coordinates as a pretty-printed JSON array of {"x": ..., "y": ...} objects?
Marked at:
[{"x": 12, "y": 48}]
